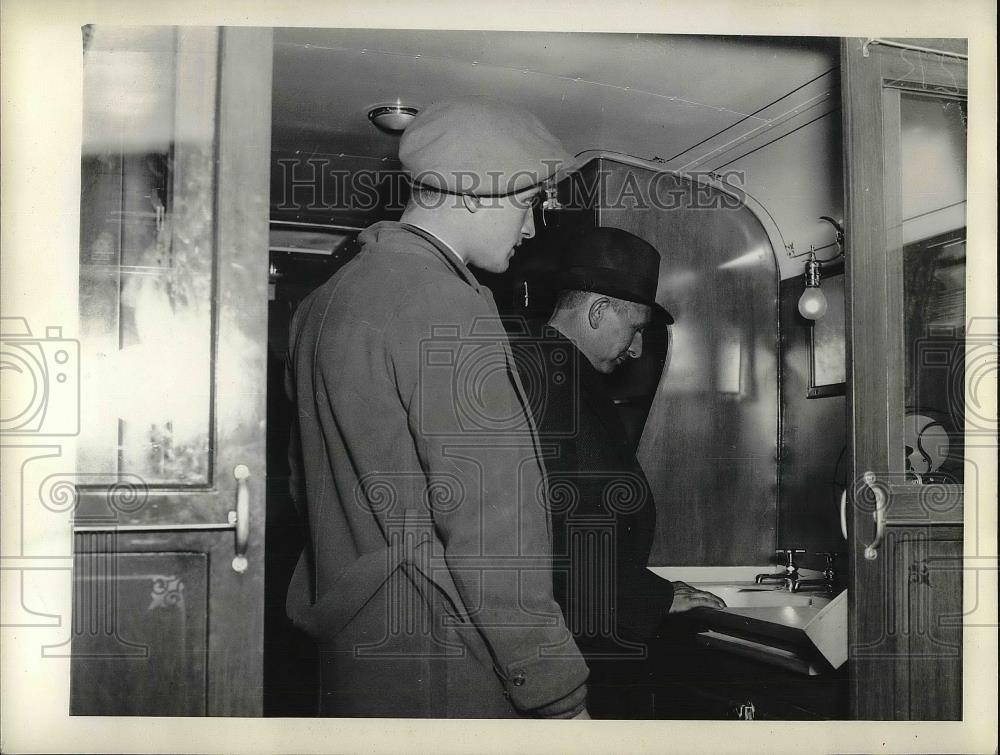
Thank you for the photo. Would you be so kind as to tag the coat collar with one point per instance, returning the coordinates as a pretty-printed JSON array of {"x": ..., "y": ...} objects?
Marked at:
[{"x": 431, "y": 243}]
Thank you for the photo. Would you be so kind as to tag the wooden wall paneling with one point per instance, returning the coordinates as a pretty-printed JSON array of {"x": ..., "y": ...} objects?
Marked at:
[
  {"x": 897, "y": 641},
  {"x": 244, "y": 146},
  {"x": 872, "y": 691}
]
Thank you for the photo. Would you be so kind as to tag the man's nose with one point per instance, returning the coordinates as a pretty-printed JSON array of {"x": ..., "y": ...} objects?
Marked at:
[
  {"x": 635, "y": 348},
  {"x": 528, "y": 229}
]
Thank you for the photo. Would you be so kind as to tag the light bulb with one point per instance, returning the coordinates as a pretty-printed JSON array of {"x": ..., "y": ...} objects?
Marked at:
[{"x": 812, "y": 303}]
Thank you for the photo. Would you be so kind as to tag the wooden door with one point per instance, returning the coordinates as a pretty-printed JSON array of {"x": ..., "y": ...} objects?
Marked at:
[
  {"x": 169, "y": 522},
  {"x": 905, "y": 157}
]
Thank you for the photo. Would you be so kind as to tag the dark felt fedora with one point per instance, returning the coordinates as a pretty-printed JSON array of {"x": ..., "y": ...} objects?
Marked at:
[{"x": 612, "y": 262}]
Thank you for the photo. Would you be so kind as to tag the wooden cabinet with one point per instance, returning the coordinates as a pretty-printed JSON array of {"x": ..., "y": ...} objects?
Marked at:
[
  {"x": 688, "y": 681},
  {"x": 905, "y": 156},
  {"x": 929, "y": 685}
]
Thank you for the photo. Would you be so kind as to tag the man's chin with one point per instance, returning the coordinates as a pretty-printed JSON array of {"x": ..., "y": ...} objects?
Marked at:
[
  {"x": 502, "y": 265},
  {"x": 614, "y": 364}
]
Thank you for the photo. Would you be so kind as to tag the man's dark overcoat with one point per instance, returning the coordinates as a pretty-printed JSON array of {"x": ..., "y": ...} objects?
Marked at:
[{"x": 602, "y": 509}]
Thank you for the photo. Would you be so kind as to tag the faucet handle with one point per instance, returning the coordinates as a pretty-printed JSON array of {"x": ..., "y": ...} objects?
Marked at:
[
  {"x": 789, "y": 554},
  {"x": 831, "y": 559}
]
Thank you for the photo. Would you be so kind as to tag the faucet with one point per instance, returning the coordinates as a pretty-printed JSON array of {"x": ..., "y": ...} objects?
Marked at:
[
  {"x": 825, "y": 583},
  {"x": 790, "y": 577}
]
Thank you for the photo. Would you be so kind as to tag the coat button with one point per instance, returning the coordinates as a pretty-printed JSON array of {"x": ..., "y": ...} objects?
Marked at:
[{"x": 518, "y": 679}]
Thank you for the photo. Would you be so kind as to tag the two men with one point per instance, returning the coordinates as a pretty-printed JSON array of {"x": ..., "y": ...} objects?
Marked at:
[
  {"x": 427, "y": 579},
  {"x": 602, "y": 508}
]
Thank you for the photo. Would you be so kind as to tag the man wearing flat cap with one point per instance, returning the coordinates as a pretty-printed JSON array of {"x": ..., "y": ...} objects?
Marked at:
[
  {"x": 427, "y": 577},
  {"x": 602, "y": 508}
]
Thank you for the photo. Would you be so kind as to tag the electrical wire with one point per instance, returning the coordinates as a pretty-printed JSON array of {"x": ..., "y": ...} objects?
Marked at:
[{"x": 755, "y": 112}]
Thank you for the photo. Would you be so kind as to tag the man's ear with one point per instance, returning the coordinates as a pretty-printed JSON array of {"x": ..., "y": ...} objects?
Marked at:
[
  {"x": 471, "y": 202},
  {"x": 596, "y": 312}
]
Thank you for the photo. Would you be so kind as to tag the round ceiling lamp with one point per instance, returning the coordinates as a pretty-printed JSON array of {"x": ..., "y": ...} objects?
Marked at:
[{"x": 392, "y": 118}]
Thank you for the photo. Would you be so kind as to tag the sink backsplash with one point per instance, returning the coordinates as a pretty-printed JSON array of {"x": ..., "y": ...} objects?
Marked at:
[{"x": 720, "y": 574}]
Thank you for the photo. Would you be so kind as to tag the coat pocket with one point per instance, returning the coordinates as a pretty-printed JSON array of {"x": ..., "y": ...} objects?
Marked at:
[{"x": 327, "y": 617}]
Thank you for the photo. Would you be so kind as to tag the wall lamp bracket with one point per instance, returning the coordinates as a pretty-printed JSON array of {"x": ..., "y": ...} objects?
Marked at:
[
  {"x": 839, "y": 243},
  {"x": 838, "y": 226},
  {"x": 813, "y": 304}
]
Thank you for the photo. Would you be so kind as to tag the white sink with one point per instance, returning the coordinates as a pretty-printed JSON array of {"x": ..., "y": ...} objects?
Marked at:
[
  {"x": 736, "y": 585},
  {"x": 767, "y": 622},
  {"x": 751, "y": 595}
]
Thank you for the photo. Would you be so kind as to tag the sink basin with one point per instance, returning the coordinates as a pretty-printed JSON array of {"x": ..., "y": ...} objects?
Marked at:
[
  {"x": 751, "y": 595},
  {"x": 805, "y": 632},
  {"x": 736, "y": 585}
]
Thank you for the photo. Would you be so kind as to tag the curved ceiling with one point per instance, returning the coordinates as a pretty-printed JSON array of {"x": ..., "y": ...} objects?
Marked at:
[{"x": 692, "y": 102}]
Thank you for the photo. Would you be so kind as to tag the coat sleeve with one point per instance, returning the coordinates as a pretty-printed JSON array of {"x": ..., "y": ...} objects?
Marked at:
[
  {"x": 296, "y": 472},
  {"x": 449, "y": 357},
  {"x": 643, "y": 598}
]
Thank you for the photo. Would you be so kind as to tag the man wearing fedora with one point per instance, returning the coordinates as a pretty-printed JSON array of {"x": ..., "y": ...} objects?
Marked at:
[
  {"x": 427, "y": 577},
  {"x": 602, "y": 509}
]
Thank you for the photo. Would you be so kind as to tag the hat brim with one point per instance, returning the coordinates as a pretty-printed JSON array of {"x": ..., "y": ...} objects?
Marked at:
[
  {"x": 573, "y": 281},
  {"x": 526, "y": 180}
]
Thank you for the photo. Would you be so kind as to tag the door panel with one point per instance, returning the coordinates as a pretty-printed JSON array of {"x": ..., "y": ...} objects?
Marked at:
[
  {"x": 170, "y": 511},
  {"x": 158, "y": 642},
  {"x": 933, "y": 567},
  {"x": 905, "y": 198}
]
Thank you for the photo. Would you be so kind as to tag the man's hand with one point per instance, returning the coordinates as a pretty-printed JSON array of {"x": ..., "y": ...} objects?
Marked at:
[{"x": 686, "y": 598}]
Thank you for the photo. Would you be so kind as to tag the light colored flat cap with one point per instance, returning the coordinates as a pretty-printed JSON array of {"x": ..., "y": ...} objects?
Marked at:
[{"x": 482, "y": 146}]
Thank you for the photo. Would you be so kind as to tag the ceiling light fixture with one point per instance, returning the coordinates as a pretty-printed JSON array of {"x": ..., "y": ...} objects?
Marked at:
[{"x": 392, "y": 118}]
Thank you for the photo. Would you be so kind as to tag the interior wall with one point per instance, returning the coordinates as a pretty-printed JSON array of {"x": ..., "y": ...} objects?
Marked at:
[
  {"x": 813, "y": 439},
  {"x": 709, "y": 447},
  {"x": 798, "y": 178}
]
